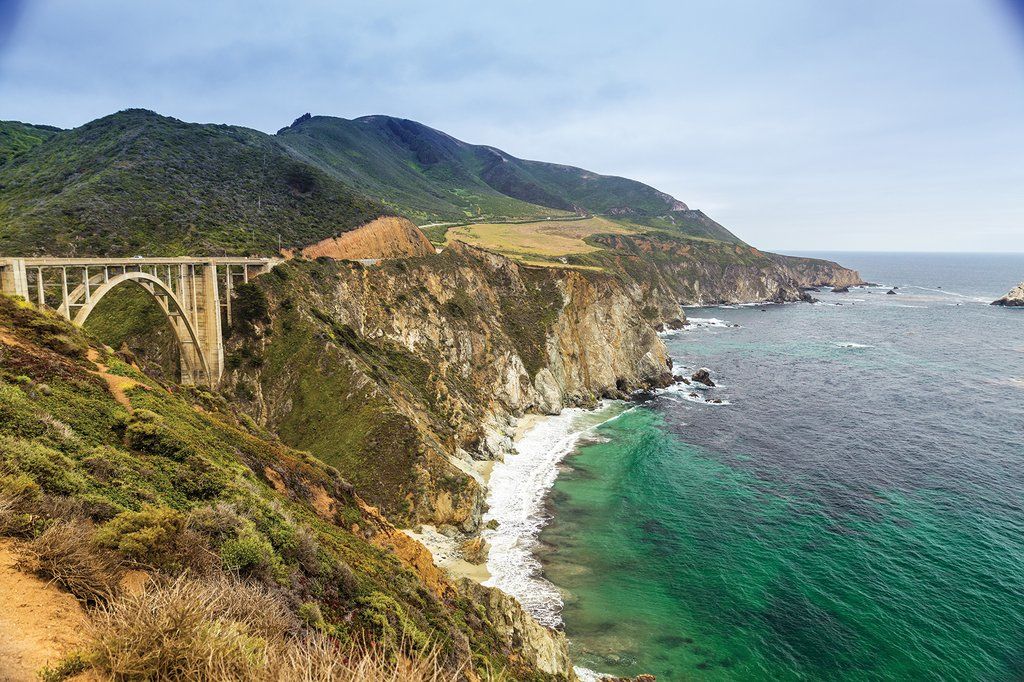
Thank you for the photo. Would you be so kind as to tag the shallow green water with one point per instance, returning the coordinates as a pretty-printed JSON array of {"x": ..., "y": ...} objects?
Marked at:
[{"x": 856, "y": 513}]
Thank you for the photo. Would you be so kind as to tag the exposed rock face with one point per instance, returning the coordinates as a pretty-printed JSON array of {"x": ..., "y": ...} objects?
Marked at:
[
  {"x": 547, "y": 649},
  {"x": 386, "y": 237},
  {"x": 1014, "y": 298},
  {"x": 692, "y": 271},
  {"x": 816, "y": 272},
  {"x": 405, "y": 375}
]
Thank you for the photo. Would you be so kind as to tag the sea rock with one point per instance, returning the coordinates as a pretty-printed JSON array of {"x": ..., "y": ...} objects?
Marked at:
[
  {"x": 891, "y": 292},
  {"x": 475, "y": 550},
  {"x": 841, "y": 290},
  {"x": 703, "y": 376},
  {"x": 1014, "y": 298}
]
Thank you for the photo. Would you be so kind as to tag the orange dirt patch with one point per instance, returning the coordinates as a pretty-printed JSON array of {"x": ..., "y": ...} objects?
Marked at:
[
  {"x": 411, "y": 553},
  {"x": 386, "y": 237},
  {"x": 39, "y": 624},
  {"x": 116, "y": 384},
  {"x": 275, "y": 480}
]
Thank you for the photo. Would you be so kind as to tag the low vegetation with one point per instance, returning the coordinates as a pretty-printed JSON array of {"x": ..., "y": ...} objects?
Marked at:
[
  {"x": 261, "y": 554},
  {"x": 135, "y": 182}
]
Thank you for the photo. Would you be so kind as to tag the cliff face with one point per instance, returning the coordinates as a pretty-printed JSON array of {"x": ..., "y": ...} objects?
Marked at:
[
  {"x": 696, "y": 272},
  {"x": 816, "y": 272},
  {"x": 406, "y": 375},
  {"x": 700, "y": 272}
]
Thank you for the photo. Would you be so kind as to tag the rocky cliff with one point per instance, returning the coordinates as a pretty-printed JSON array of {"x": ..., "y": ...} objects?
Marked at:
[
  {"x": 697, "y": 272},
  {"x": 406, "y": 375},
  {"x": 816, "y": 272}
]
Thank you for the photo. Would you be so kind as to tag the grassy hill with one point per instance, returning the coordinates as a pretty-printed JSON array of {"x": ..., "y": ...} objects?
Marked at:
[
  {"x": 17, "y": 137},
  {"x": 136, "y": 182},
  {"x": 433, "y": 176}
]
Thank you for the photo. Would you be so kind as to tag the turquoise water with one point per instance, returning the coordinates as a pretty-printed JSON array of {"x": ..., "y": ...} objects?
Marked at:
[{"x": 855, "y": 513}]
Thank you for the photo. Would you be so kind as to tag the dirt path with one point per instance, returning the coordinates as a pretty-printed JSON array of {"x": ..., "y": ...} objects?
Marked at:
[
  {"x": 39, "y": 624},
  {"x": 116, "y": 383}
]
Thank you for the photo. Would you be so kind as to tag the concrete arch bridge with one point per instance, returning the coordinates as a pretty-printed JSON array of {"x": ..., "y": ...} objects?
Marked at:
[{"x": 194, "y": 293}]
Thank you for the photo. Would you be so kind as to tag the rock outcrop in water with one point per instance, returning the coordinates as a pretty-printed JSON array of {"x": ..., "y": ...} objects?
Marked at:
[
  {"x": 702, "y": 376},
  {"x": 1014, "y": 298}
]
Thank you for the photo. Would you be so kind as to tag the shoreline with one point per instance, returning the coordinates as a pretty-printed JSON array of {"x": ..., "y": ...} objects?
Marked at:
[{"x": 516, "y": 490}]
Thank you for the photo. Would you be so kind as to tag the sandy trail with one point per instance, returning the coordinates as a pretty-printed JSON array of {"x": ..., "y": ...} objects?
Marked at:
[{"x": 39, "y": 624}]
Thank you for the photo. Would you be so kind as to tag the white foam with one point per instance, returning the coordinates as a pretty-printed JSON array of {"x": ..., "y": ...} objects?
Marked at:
[
  {"x": 692, "y": 392},
  {"x": 518, "y": 487},
  {"x": 709, "y": 322},
  {"x": 851, "y": 344},
  {"x": 588, "y": 675}
]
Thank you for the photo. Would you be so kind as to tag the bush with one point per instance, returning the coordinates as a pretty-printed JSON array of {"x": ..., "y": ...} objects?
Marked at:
[
  {"x": 224, "y": 630},
  {"x": 252, "y": 555},
  {"x": 219, "y": 523},
  {"x": 310, "y": 614},
  {"x": 154, "y": 437},
  {"x": 197, "y": 479},
  {"x": 250, "y": 304},
  {"x": 66, "y": 554},
  {"x": 54, "y": 472},
  {"x": 156, "y": 537},
  {"x": 66, "y": 668}
]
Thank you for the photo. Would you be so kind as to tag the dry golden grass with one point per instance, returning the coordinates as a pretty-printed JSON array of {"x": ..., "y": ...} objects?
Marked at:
[
  {"x": 217, "y": 629},
  {"x": 66, "y": 554},
  {"x": 544, "y": 239}
]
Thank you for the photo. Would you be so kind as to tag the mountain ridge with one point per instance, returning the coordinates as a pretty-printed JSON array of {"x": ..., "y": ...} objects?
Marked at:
[{"x": 486, "y": 173}]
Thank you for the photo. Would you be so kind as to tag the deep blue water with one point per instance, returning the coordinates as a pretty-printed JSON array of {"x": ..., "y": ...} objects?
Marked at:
[{"x": 855, "y": 512}]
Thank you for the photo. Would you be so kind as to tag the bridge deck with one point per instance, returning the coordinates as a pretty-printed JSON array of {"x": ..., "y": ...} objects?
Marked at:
[{"x": 181, "y": 260}]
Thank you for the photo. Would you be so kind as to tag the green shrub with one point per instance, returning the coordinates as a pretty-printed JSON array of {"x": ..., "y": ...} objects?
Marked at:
[
  {"x": 67, "y": 667},
  {"x": 197, "y": 479},
  {"x": 147, "y": 434},
  {"x": 154, "y": 536},
  {"x": 310, "y": 614},
  {"x": 251, "y": 555},
  {"x": 250, "y": 304},
  {"x": 53, "y": 471}
]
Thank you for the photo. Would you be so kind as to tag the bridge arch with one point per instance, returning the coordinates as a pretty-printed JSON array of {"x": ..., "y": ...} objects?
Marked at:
[
  {"x": 185, "y": 333},
  {"x": 193, "y": 293}
]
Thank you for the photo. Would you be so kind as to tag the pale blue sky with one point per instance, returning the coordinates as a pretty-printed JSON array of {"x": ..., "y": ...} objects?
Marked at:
[{"x": 799, "y": 124}]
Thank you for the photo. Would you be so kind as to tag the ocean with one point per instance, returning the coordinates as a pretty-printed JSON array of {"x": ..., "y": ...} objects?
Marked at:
[{"x": 853, "y": 509}]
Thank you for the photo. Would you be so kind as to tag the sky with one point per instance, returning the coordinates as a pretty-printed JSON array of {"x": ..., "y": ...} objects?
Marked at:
[{"x": 798, "y": 124}]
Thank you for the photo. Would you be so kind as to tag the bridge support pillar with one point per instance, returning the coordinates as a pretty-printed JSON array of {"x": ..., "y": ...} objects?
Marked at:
[
  {"x": 13, "y": 277},
  {"x": 206, "y": 317}
]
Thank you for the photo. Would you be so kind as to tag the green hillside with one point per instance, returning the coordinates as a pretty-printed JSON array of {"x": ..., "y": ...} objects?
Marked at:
[
  {"x": 434, "y": 177},
  {"x": 136, "y": 182},
  {"x": 17, "y": 137}
]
